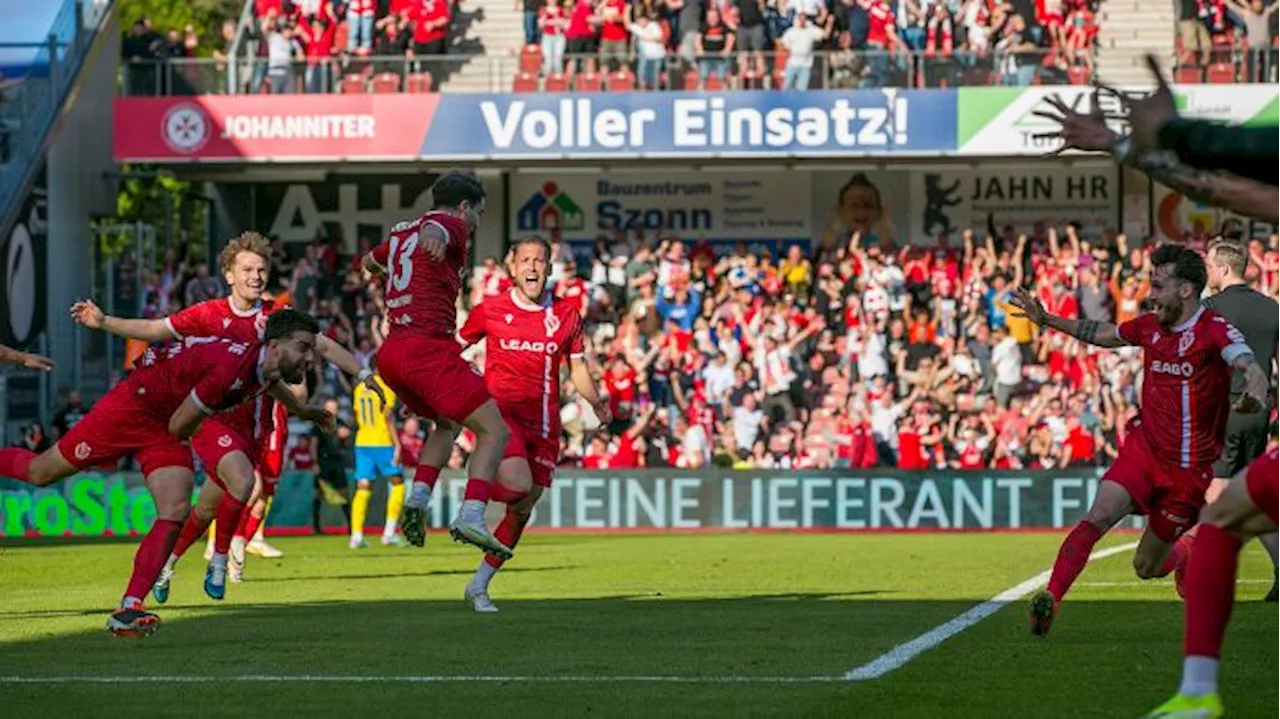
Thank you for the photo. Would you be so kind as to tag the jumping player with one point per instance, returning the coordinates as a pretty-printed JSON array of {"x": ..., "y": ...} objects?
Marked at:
[
  {"x": 17, "y": 358},
  {"x": 528, "y": 336},
  {"x": 1246, "y": 508},
  {"x": 230, "y": 444},
  {"x": 151, "y": 414},
  {"x": 377, "y": 455},
  {"x": 1166, "y": 462},
  {"x": 1254, "y": 314},
  {"x": 423, "y": 261}
]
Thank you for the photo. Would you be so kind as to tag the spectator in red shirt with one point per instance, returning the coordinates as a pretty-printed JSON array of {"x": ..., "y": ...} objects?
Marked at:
[
  {"x": 431, "y": 27},
  {"x": 580, "y": 34},
  {"x": 615, "y": 16},
  {"x": 318, "y": 43},
  {"x": 360, "y": 14},
  {"x": 553, "y": 20},
  {"x": 881, "y": 38}
]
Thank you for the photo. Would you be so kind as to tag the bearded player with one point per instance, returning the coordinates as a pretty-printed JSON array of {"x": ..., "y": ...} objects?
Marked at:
[
  {"x": 151, "y": 414},
  {"x": 423, "y": 261},
  {"x": 229, "y": 445},
  {"x": 1166, "y": 463},
  {"x": 1246, "y": 508},
  {"x": 529, "y": 335}
]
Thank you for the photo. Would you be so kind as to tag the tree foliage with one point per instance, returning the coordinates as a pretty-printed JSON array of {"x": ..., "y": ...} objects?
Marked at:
[
  {"x": 205, "y": 16},
  {"x": 156, "y": 198}
]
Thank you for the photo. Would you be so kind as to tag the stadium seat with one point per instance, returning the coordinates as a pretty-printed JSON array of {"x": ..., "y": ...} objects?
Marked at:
[
  {"x": 531, "y": 59},
  {"x": 1221, "y": 73},
  {"x": 525, "y": 82},
  {"x": 386, "y": 82},
  {"x": 418, "y": 82},
  {"x": 1078, "y": 75},
  {"x": 555, "y": 82},
  {"x": 713, "y": 83},
  {"x": 621, "y": 81},
  {"x": 690, "y": 80},
  {"x": 588, "y": 82},
  {"x": 1188, "y": 74},
  {"x": 353, "y": 84}
]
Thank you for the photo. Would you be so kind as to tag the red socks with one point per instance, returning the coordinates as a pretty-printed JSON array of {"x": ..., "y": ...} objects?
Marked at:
[
  {"x": 477, "y": 489},
  {"x": 16, "y": 463},
  {"x": 151, "y": 556},
  {"x": 192, "y": 530},
  {"x": 1211, "y": 589},
  {"x": 229, "y": 510},
  {"x": 427, "y": 475},
  {"x": 499, "y": 493},
  {"x": 1177, "y": 555},
  {"x": 248, "y": 525},
  {"x": 508, "y": 532},
  {"x": 1072, "y": 557}
]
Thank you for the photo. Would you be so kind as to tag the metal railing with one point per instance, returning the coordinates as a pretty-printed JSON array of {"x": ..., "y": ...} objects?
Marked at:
[{"x": 498, "y": 73}]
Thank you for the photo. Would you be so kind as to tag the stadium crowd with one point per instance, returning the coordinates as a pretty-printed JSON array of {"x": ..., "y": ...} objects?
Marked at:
[{"x": 856, "y": 353}]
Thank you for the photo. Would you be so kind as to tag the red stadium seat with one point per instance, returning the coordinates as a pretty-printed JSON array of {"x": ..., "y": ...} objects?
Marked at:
[
  {"x": 387, "y": 82},
  {"x": 1221, "y": 73},
  {"x": 588, "y": 82},
  {"x": 531, "y": 59},
  {"x": 713, "y": 83},
  {"x": 621, "y": 81},
  {"x": 353, "y": 84},
  {"x": 555, "y": 82},
  {"x": 418, "y": 82},
  {"x": 525, "y": 82},
  {"x": 1078, "y": 75},
  {"x": 780, "y": 57},
  {"x": 690, "y": 79},
  {"x": 1188, "y": 74}
]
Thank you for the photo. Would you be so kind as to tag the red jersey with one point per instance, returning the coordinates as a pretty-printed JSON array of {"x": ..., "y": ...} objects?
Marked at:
[
  {"x": 422, "y": 293},
  {"x": 622, "y": 393},
  {"x": 527, "y": 343},
  {"x": 1186, "y": 381},
  {"x": 217, "y": 374},
  {"x": 879, "y": 20},
  {"x": 573, "y": 289},
  {"x": 429, "y": 12},
  {"x": 219, "y": 318}
]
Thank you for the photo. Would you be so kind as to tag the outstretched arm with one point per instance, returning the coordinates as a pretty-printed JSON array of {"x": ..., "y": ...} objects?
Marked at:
[
  {"x": 8, "y": 355},
  {"x": 87, "y": 313},
  {"x": 1099, "y": 334}
]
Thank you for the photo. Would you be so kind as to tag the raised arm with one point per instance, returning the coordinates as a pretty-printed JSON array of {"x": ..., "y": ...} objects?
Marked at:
[
  {"x": 8, "y": 355},
  {"x": 88, "y": 314},
  {"x": 1099, "y": 334}
]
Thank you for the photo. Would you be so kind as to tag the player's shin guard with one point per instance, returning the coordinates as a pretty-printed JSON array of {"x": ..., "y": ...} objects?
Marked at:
[
  {"x": 1072, "y": 558},
  {"x": 229, "y": 511},
  {"x": 1211, "y": 590},
  {"x": 508, "y": 532},
  {"x": 192, "y": 530},
  {"x": 150, "y": 558},
  {"x": 16, "y": 463}
]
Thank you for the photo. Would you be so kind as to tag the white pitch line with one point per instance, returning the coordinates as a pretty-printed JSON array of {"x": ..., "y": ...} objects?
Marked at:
[
  {"x": 605, "y": 679},
  {"x": 1148, "y": 582},
  {"x": 903, "y": 653}
]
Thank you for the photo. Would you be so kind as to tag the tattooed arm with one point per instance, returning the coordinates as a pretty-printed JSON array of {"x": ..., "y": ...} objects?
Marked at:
[
  {"x": 1100, "y": 334},
  {"x": 1238, "y": 194}
]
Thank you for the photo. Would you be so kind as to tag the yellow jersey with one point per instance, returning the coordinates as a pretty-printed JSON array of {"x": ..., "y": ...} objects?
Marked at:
[{"x": 371, "y": 421}]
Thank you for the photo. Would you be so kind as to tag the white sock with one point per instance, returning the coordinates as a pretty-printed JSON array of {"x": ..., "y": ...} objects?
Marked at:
[
  {"x": 260, "y": 536},
  {"x": 357, "y": 536},
  {"x": 1199, "y": 676},
  {"x": 218, "y": 560},
  {"x": 484, "y": 573},
  {"x": 389, "y": 530},
  {"x": 419, "y": 495},
  {"x": 131, "y": 603},
  {"x": 171, "y": 562},
  {"x": 1269, "y": 543},
  {"x": 472, "y": 511}
]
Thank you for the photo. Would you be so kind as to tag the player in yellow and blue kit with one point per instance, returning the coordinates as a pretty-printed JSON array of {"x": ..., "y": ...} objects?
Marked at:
[{"x": 377, "y": 455}]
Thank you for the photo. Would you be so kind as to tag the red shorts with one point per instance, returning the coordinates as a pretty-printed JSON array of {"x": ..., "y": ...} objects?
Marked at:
[
  {"x": 215, "y": 439},
  {"x": 1169, "y": 495},
  {"x": 1261, "y": 480},
  {"x": 542, "y": 453},
  {"x": 429, "y": 375},
  {"x": 120, "y": 425}
]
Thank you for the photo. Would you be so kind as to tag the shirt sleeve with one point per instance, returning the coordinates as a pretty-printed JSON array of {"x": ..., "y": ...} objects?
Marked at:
[
  {"x": 1134, "y": 331},
  {"x": 214, "y": 392},
  {"x": 473, "y": 330},
  {"x": 1228, "y": 340},
  {"x": 194, "y": 321},
  {"x": 1246, "y": 151},
  {"x": 576, "y": 344},
  {"x": 381, "y": 253}
]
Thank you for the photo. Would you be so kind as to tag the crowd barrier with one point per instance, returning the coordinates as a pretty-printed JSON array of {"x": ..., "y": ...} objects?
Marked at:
[{"x": 630, "y": 501}]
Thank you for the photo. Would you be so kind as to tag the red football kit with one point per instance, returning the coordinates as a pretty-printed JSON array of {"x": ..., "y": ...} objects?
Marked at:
[
  {"x": 1166, "y": 462},
  {"x": 420, "y": 360},
  {"x": 249, "y": 428},
  {"x": 1263, "y": 482},
  {"x": 527, "y": 342},
  {"x": 133, "y": 418}
]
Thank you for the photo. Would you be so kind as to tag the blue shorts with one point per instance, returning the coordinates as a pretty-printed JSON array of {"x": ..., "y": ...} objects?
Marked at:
[{"x": 374, "y": 462}]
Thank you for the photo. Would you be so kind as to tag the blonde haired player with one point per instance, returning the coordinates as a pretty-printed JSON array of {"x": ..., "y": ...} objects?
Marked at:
[{"x": 377, "y": 455}]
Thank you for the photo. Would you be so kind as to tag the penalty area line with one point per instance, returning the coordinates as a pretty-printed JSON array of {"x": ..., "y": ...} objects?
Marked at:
[{"x": 903, "y": 653}]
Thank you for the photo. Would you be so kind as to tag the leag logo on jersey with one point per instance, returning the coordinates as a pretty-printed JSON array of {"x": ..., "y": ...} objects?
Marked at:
[{"x": 527, "y": 346}]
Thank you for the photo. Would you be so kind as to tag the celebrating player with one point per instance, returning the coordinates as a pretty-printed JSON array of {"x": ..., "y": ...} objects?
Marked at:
[
  {"x": 150, "y": 414},
  {"x": 1166, "y": 462},
  {"x": 529, "y": 335},
  {"x": 377, "y": 455},
  {"x": 229, "y": 445},
  {"x": 8, "y": 355},
  {"x": 423, "y": 261},
  {"x": 1246, "y": 508}
]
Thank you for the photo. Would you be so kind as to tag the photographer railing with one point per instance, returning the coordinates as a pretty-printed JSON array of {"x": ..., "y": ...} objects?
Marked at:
[{"x": 830, "y": 70}]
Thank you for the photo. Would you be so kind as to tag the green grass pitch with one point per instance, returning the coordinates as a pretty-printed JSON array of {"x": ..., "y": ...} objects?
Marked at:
[{"x": 695, "y": 606}]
